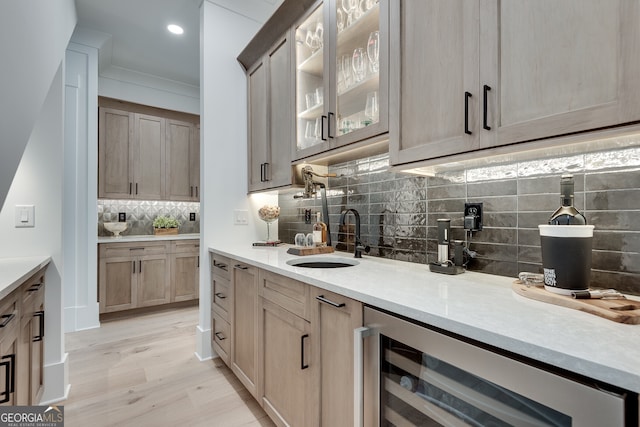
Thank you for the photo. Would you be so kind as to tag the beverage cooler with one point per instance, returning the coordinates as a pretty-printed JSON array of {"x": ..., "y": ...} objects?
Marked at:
[{"x": 410, "y": 375}]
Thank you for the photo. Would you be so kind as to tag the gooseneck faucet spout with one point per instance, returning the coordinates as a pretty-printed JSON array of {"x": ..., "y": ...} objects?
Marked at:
[{"x": 358, "y": 246}]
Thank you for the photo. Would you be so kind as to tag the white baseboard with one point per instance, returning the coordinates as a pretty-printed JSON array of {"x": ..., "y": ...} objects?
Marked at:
[
  {"x": 203, "y": 344},
  {"x": 79, "y": 318},
  {"x": 56, "y": 381}
]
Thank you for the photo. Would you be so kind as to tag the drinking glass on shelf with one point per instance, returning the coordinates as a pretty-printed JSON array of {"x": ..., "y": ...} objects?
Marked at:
[
  {"x": 340, "y": 75},
  {"x": 350, "y": 6},
  {"x": 319, "y": 96},
  {"x": 371, "y": 108},
  {"x": 319, "y": 33},
  {"x": 340, "y": 18},
  {"x": 310, "y": 132},
  {"x": 373, "y": 51},
  {"x": 358, "y": 64},
  {"x": 346, "y": 71},
  {"x": 318, "y": 129}
]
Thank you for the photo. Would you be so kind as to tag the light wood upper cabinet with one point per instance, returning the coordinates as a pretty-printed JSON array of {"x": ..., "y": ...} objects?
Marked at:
[
  {"x": 147, "y": 156},
  {"x": 270, "y": 119},
  {"x": 183, "y": 161},
  {"x": 558, "y": 67},
  {"x": 339, "y": 75},
  {"x": 115, "y": 160},
  {"x": 471, "y": 75}
]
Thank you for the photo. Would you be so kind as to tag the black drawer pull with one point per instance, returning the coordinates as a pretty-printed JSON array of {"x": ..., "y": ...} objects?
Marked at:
[
  {"x": 321, "y": 298},
  {"x": 241, "y": 267},
  {"x": 220, "y": 265},
  {"x": 7, "y": 318},
  {"x": 35, "y": 287},
  {"x": 220, "y": 295},
  {"x": 220, "y": 336},
  {"x": 9, "y": 379}
]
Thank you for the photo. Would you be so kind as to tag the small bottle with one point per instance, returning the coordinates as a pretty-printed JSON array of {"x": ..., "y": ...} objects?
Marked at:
[
  {"x": 319, "y": 231},
  {"x": 567, "y": 214}
]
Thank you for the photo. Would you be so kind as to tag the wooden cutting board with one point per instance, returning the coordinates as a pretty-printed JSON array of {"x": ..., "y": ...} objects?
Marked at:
[
  {"x": 619, "y": 310},
  {"x": 310, "y": 251}
]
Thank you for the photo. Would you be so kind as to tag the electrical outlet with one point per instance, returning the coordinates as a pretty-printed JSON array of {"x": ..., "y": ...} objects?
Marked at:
[
  {"x": 307, "y": 216},
  {"x": 473, "y": 216},
  {"x": 240, "y": 217},
  {"x": 192, "y": 216},
  {"x": 122, "y": 217}
]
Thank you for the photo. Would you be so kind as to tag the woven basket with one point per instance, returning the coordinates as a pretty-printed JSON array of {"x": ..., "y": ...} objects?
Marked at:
[{"x": 165, "y": 231}]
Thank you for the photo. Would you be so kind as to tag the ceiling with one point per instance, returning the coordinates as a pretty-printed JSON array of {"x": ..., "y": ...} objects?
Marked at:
[{"x": 136, "y": 37}]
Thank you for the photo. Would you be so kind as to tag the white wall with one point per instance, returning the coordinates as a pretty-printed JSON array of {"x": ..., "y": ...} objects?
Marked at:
[
  {"x": 34, "y": 36},
  {"x": 79, "y": 226},
  {"x": 223, "y": 153},
  {"x": 38, "y": 181}
]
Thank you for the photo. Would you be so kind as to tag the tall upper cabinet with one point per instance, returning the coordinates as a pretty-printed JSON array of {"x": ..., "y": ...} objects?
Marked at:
[
  {"x": 470, "y": 75},
  {"x": 147, "y": 153},
  {"x": 341, "y": 74},
  {"x": 270, "y": 118}
]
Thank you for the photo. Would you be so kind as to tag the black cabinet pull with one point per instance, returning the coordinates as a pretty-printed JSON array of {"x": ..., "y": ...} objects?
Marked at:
[
  {"x": 191, "y": 192},
  {"x": 133, "y": 264},
  {"x": 136, "y": 188},
  {"x": 35, "y": 287},
  {"x": 302, "y": 364},
  {"x": 329, "y": 126},
  {"x": 198, "y": 262},
  {"x": 241, "y": 267},
  {"x": 220, "y": 265},
  {"x": 267, "y": 172},
  {"x": 220, "y": 336},
  {"x": 467, "y": 95},
  {"x": 130, "y": 186},
  {"x": 322, "y": 128},
  {"x": 7, "y": 318},
  {"x": 486, "y": 89},
  {"x": 140, "y": 266},
  {"x": 261, "y": 172},
  {"x": 10, "y": 377},
  {"x": 197, "y": 191},
  {"x": 40, "y": 336},
  {"x": 321, "y": 298},
  {"x": 220, "y": 295}
]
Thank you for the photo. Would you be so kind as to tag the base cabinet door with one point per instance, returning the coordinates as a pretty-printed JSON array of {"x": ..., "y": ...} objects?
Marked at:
[
  {"x": 244, "y": 327},
  {"x": 117, "y": 284},
  {"x": 288, "y": 370},
  {"x": 153, "y": 280},
  {"x": 334, "y": 318}
]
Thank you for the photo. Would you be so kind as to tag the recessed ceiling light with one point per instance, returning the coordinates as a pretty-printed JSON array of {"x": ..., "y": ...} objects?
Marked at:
[{"x": 175, "y": 29}]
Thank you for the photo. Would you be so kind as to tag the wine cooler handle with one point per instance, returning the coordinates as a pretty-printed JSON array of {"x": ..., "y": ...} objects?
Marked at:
[{"x": 359, "y": 334}]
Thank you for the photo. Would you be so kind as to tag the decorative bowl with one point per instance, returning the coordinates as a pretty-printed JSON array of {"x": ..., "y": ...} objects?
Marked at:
[{"x": 115, "y": 227}]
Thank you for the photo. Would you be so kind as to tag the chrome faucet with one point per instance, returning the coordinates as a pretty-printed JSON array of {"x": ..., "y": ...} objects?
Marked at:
[{"x": 358, "y": 246}]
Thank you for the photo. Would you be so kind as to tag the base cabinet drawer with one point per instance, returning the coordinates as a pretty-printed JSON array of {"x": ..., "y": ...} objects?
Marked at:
[{"x": 221, "y": 337}]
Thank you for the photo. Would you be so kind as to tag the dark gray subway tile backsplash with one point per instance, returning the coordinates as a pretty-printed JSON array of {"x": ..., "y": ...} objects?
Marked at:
[{"x": 399, "y": 212}]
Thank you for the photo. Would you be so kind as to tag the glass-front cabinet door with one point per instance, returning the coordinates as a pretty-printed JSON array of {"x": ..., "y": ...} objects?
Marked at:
[
  {"x": 342, "y": 66},
  {"x": 311, "y": 114}
]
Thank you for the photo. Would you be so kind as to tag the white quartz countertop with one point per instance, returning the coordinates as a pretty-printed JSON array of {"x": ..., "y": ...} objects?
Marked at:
[
  {"x": 14, "y": 271},
  {"x": 147, "y": 238},
  {"x": 478, "y": 306}
]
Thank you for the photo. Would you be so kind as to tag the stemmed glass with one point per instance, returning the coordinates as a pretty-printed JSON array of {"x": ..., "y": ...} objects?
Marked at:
[
  {"x": 350, "y": 6},
  {"x": 358, "y": 64},
  {"x": 373, "y": 51},
  {"x": 371, "y": 108}
]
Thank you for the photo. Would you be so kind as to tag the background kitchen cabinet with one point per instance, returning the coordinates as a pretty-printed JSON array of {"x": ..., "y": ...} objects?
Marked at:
[
  {"x": 115, "y": 160},
  {"x": 326, "y": 41},
  {"x": 183, "y": 161},
  {"x": 133, "y": 275},
  {"x": 244, "y": 326},
  {"x": 270, "y": 118},
  {"x": 334, "y": 318},
  {"x": 185, "y": 270},
  {"x": 147, "y": 153},
  {"x": 511, "y": 73}
]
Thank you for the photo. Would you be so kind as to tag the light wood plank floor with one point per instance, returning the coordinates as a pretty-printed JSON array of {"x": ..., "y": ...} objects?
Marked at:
[{"x": 143, "y": 372}]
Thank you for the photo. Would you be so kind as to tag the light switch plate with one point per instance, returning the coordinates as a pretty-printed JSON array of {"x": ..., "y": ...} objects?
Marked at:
[
  {"x": 240, "y": 217},
  {"x": 25, "y": 216}
]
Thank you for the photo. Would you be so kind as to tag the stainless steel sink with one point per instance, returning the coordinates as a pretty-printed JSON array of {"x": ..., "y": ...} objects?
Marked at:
[{"x": 322, "y": 262}]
